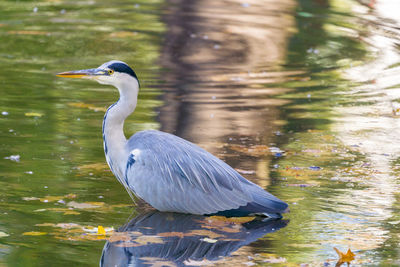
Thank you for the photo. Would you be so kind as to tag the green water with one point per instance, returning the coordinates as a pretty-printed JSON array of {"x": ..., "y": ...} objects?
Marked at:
[
  {"x": 55, "y": 126},
  {"x": 338, "y": 167}
]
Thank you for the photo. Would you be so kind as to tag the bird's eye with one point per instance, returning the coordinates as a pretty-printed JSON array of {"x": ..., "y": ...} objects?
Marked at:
[{"x": 110, "y": 72}]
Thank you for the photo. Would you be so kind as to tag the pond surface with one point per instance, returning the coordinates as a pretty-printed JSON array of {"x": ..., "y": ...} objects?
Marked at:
[{"x": 301, "y": 97}]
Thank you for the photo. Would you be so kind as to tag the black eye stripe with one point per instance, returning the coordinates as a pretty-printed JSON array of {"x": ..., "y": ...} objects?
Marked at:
[{"x": 123, "y": 68}]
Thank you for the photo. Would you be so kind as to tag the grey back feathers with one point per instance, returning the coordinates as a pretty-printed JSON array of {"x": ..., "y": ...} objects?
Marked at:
[{"x": 172, "y": 174}]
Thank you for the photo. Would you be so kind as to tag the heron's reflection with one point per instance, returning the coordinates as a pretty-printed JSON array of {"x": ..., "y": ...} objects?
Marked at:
[{"x": 170, "y": 239}]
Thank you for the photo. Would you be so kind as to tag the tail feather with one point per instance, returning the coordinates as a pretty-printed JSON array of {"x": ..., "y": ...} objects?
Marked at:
[{"x": 264, "y": 204}]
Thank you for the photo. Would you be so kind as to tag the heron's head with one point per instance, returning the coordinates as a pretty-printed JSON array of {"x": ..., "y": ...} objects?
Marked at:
[{"x": 113, "y": 72}]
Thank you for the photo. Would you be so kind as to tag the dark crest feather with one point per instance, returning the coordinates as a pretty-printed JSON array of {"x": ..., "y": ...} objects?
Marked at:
[{"x": 123, "y": 68}]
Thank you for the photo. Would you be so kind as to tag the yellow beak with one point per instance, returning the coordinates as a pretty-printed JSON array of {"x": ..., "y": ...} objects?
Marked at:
[{"x": 81, "y": 73}]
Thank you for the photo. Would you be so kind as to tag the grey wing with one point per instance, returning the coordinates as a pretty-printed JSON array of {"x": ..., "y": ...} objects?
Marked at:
[{"x": 172, "y": 174}]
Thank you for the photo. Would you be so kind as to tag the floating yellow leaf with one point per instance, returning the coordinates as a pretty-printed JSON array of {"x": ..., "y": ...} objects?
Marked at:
[
  {"x": 33, "y": 114},
  {"x": 123, "y": 34},
  {"x": 88, "y": 106},
  {"x": 34, "y": 233},
  {"x": 120, "y": 236},
  {"x": 348, "y": 257},
  {"x": 45, "y": 224},
  {"x": 71, "y": 212},
  {"x": 59, "y": 209},
  {"x": 30, "y": 198},
  {"x": 233, "y": 219},
  {"x": 70, "y": 196},
  {"x": 201, "y": 232},
  {"x": 169, "y": 234},
  {"x": 121, "y": 205},
  {"x": 28, "y": 32},
  {"x": 95, "y": 203},
  {"x": 255, "y": 151},
  {"x": 100, "y": 230},
  {"x": 51, "y": 198},
  {"x": 94, "y": 166},
  {"x": 140, "y": 240},
  {"x": 148, "y": 239}
]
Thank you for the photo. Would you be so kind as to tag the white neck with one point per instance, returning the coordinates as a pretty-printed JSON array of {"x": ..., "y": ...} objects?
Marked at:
[{"x": 114, "y": 139}]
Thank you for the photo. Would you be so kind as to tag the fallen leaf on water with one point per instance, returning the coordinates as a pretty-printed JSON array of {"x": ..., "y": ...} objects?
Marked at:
[
  {"x": 258, "y": 150},
  {"x": 85, "y": 205},
  {"x": 33, "y": 114},
  {"x": 348, "y": 257},
  {"x": 206, "y": 233},
  {"x": 39, "y": 210},
  {"x": 45, "y": 224},
  {"x": 245, "y": 171},
  {"x": 2, "y": 234},
  {"x": 140, "y": 241},
  {"x": 58, "y": 209},
  {"x": 220, "y": 78},
  {"x": 121, "y": 205},
  {"x": 123, "y": 34},
  {"x": 232, "y": 219},
  {"x": 67, "y": 225},
  {"x": 255, "y": 151},
  {"x": 97, "y": 230},
  {"x": 299, "y": 173},
  {"x": 148, "y": 239},
  {"x": 209, "y": 240},
  {"x": 101, "y": 233},
  {"x": 34, "y": 233},
  {"x": 76, "y": 232},
  {"x": 71, "y": 212},
  {"x": 51, "y": 198},
  {"x": 30, "y": 198},
  {"x": 88, "y": 106},
  {"x": 100, "y": 230},
  {"x": 66, "y": 211},
  {"x": 174, "y": 234},
  {"x": 271, "y": 258},
  {"x": 120, "y": 237},
  {"x": 28, "y": 32},
  {"x": 94, "y": 166},
  {"x": 227, "y": 225}
]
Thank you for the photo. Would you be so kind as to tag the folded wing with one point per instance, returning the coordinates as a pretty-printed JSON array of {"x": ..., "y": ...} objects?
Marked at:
[{"x": 172, "y": 174}]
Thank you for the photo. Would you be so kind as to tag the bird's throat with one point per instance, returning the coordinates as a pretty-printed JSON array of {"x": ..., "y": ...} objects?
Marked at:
[{"x": 114, "y": 139}]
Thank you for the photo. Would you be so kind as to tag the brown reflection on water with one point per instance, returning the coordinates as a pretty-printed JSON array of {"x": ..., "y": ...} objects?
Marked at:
[
  {"x": 219, "y": 55},
  {"x": 172, "y": 239}
]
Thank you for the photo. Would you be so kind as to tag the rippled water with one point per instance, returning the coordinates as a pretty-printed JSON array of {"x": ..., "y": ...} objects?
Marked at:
[{"x": 299, "y": 96}]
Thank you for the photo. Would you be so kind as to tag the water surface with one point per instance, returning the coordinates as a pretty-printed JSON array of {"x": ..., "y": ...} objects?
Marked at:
[{"x": 300, "y": 97}]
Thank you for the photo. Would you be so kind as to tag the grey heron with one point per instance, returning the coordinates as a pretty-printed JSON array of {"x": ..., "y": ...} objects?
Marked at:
[{"x": 166, "y": 171}]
